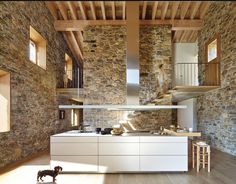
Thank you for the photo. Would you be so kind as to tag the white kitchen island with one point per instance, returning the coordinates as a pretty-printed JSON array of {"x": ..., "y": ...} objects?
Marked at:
[{"x": 90, "y": 152}]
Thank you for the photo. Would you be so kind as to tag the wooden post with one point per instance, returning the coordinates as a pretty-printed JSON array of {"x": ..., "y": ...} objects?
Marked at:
[
  {"x": 209, "y": 158},
  {"x": 193, "y": 162},
  {"x": 198, "y": 159}
]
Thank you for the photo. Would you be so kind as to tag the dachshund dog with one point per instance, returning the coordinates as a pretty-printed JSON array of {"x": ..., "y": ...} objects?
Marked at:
[{"x": 52, "y": 173}]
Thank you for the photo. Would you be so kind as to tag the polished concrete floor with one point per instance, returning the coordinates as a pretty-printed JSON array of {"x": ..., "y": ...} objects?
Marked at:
[{"x": 223, "y": 171}]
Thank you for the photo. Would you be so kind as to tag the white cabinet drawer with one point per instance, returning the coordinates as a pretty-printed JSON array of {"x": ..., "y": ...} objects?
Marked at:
[
  {"x": 118, "y": 163},
  {"x": 73, "y": 139},
  {"x": 75, "y": 163},
  {"x": 163, "y": 163},
  {"x": 118, "y": 139},
  {"x": 163, "y": 139},
  {"x": 119, "y": 149},
  {"x": 74, "y": 148},
  {"x": 163, "y": 149}
]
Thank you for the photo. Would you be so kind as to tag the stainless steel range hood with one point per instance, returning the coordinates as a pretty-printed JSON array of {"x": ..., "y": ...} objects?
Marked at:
[{"x": 132, "y": 54}]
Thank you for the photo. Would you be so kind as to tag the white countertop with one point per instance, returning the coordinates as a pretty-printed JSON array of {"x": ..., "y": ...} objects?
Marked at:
[{"x": 75, "y": 133}]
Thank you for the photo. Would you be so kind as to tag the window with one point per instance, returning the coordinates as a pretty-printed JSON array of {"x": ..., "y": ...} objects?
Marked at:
[
  {"x": 37, "y": 48},
  {"x": 212, "y": 49},
  {"x": 4, "y": 101}
]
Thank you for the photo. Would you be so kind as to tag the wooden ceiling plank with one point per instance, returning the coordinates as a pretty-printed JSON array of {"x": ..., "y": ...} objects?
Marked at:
[
  {"x": 184, "y": 8},
  {"x": 75, "y": 25},
  {"x": 191, "y": 36},
  {"x": 164, "y": 10},
  {"x": 203, "y": 9},
  {"x": 144, "y": 9},
  {"x": 195, "y": 7},
  {"x": 82, "y": 9},
  {"x": 154, "y": 9},
  {"x": 113, "y": 10},
  {"x": 103, "y": 10},
  {"x": 51, "y": 6},
  {"x": 175, "y": 7},
  {"x": 124, "y": 9},
  {"x": 92, "y": 8}
]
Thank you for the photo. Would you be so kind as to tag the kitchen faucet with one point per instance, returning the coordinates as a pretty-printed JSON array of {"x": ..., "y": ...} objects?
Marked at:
[{"x": 81, "y": 127}]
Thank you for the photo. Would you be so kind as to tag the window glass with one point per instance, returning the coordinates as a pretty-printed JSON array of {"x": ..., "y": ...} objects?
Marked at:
[
  {"x": 33, "y": 51},
  {"x": 212, "y": 50}
]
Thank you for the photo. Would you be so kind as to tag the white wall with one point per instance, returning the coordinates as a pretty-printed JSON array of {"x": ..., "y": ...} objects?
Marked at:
[
  {"x": 185, "y": 52},
  {"x": 185, "y": 75},
  {"x": 188, "y": 117}
]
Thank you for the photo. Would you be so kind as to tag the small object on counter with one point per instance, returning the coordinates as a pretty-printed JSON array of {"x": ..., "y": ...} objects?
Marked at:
[
  {"x": 190, "y": 129},
  {"x": 107, "y": 130},
  {"x": 116, "y": 130},
  {"x": 98, "y": 130}
]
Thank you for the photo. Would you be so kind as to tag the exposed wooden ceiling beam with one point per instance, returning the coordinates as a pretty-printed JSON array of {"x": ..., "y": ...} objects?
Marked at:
[
  {"x": 195, "y": 7},
  {"x": 70, "y": 35},
  {"x": 103, "y": 10},
  {"x": 62, "y": 10},
  {"x": 181, "y": 38},
  {"x": 72, "y": 39},
  {"x": 203, "y": 9},
  {"x": 113, "y": 10},
  {"x": 144, "y": 9},
  {"x": 164, "y": 10},
  {"x": 174, "y": 36},
  {"x": 76, "y": 25},
  {"x": 175, "y": 7},
  {"x": 154, "y": 10},
  {"x": 184, "y": 8},
  {"x": 82, "y": 9},
  {"x": 124, "y": 10},
  {"x": 75, "y": 54},
  {"x": 92, "y": 8},
  {"x": 52, "y": 9},
  {"x": 72, "y": 10}
]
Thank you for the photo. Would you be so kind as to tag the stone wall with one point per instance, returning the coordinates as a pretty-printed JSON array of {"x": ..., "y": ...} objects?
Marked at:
[
  {"x": 217, "y": 109},
  {"x": 105, "y": 74},
  {"x": 34, "y": 108},
  {"x": 155, "y": 51}
]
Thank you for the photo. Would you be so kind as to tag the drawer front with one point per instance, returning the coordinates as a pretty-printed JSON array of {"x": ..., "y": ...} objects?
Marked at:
[
  {"x": 118, "y": 139},
  {"x": 163, "y": 163},
  {"x": 73, "y": 139},
  {"x": 163, "y": 149},
  {"x": 118, "y": 148},
  {"x": 118, "y": 163},
  {"x": 74, "y": 148},
  {"x": 75, "y": 163},
  {"x": 163, "y": 139}
]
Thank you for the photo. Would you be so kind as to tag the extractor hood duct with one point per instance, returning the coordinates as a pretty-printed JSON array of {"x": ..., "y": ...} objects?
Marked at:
[{"x": 132, "y": 54}]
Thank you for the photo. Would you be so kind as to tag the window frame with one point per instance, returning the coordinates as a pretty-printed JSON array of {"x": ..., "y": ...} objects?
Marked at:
[{"x": 217, "y": 38}]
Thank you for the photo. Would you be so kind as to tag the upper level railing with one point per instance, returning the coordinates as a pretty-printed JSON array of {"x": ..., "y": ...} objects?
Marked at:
[
  {"x": 70, "y": 80},
  {"x": 197, "y": 74}
]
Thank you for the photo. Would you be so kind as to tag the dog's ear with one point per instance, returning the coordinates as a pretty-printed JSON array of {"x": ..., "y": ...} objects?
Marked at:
[{"x": 61, "y": 168}]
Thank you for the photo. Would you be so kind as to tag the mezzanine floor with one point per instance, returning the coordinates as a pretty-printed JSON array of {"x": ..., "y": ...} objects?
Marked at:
[{"x": 223, "y": 171}]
